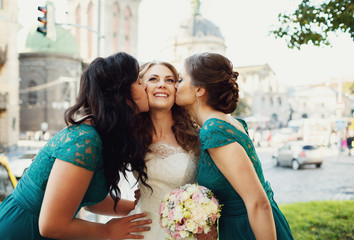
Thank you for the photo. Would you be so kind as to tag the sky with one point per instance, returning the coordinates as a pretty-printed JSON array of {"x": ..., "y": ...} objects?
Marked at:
[{"x": 245, "y": 26}]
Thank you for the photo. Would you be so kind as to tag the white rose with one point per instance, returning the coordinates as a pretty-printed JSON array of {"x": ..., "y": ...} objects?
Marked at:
[
  {"x": 183, "y": 234},
  {"x": 206, "y": 229},
  {"x": 164, "y": 222},
  {"x": 191, "y": 226},
  {"x": 165, "y": 212},
  {"x": 192, "y": 189},
  {"x": 185, "y": 195},
  {"x": 199, "y": 216},
  {"x": 178, "y": 214},
  {"x": 209, "y": 208}
]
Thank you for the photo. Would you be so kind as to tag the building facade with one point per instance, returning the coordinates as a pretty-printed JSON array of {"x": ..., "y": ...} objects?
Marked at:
[
  {"x": 9, "y": 76},
  {"x": 264, "y": 94},
  {"x": 50, "y": 72},
  {"x": 116, "y": 20}
]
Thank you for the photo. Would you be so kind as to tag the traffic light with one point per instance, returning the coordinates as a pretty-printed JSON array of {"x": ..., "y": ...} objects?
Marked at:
[
  {"x": 48, "y": 21},
  {"x": 43, "y": 29}
]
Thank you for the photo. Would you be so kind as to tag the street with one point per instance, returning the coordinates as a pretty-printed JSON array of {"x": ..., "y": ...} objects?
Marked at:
[{"x": 333, "y": 181}]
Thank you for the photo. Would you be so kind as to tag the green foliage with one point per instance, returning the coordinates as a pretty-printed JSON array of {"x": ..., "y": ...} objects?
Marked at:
[
  {"x": 320, "y": 220},
  {"x": 312, "y": 23},
  {"x": 348, "y": 88}
]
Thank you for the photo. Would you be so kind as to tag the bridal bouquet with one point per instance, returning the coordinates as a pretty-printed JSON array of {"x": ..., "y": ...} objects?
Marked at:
[{"x": 188, "y": 210}]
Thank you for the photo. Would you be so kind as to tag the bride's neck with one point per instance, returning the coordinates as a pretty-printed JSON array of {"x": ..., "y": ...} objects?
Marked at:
[{"x": 162, "y": 122}]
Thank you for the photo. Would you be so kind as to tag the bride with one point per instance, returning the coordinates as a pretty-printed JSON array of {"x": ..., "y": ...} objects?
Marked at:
[{"x": 170, "y": 140}]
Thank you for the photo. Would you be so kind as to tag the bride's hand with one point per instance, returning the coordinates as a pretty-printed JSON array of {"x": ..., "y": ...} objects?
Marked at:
[
  {"x": 128, "y": 227},
  {"x": 136, "y": 196},
  {"x": 212, "y": 235}
]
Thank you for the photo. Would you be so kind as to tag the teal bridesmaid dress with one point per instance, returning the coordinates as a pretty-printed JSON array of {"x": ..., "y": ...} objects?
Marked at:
[
  {"x": 79, "y": 145},
  {"x": 233, "y": 223}
]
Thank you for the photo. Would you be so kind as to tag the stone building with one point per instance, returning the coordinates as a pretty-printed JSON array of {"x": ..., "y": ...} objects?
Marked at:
[
  {"x": 50, "y": 70},
  {"x": 118, "y": 25},
  {"x": 195, "y": 34},
  {"x": 9, "y": 77},
  {"x": 259, "y": 86},
  {"x": 50, "y": 73},
  {"x": 264, "y": 94}
]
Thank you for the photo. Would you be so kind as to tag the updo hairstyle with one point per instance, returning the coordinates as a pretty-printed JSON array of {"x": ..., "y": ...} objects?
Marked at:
[{"x": 215, "y": 73}]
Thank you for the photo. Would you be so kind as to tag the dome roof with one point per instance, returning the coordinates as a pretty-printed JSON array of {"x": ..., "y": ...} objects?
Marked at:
[
  {"x": 197, "y": 26},
  {"x": 65, "y": 42}
]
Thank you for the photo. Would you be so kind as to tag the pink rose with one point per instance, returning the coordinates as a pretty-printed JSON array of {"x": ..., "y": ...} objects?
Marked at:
[
  {"x": 161, "y": 207},
  {"x": 215, "y": 201},
  {"x": 180, "y": 226},
  {"x": 176, "y": 191},
  {"x": 213, "y": 217},
  {"x": 170, "y": 214},
  {"x": 176, "y": 235},
  {"x": 197, "y": 196},
  {"x": 200, "y": 230}
]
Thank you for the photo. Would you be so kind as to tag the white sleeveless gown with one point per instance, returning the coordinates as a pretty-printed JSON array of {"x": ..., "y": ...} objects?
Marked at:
[{"x": 168, "y": 167}]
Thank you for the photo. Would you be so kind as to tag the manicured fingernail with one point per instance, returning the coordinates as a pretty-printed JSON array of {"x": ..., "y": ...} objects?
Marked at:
[{"x": 148, "y": 228}]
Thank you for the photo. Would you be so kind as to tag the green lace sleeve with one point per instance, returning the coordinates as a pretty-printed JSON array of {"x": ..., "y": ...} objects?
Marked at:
[
  {"x": 215, "y": 133},
  {"x": 79, "y": 145}
]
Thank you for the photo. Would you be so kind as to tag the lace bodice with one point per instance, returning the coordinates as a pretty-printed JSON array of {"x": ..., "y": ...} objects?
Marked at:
[
  {"x": 168, "y": 167},
  {"x": 216, "y": 133},
  {"x": 80, "y": 145}
]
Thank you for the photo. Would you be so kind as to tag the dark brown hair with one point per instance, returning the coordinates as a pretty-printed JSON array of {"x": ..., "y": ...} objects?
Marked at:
[
  {"x": 105, "y": 91},
  {"x": 215, "y": 73},
  {"x": 184, "y": 128}
]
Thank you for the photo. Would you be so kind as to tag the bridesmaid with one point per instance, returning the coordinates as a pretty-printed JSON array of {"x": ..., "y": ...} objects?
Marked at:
[
  {"x": 80, "y": 165},
  {"x": 229, "y": 164}
]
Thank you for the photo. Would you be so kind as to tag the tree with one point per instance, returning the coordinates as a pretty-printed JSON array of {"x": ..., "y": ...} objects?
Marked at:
[
  {"x": 348, "y": 88},
  {"x": 312, "y": 23}
]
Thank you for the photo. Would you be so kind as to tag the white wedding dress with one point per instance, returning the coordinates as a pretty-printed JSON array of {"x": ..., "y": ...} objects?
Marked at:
[{"x": 168, "y": 167}]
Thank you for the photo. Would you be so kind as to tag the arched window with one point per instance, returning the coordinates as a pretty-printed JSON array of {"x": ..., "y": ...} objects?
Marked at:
[
  {"x": 128, "y": 19},
  {"x": 89, "y": 34},
  {"x": 32, "y": 95},
  {"x": 78, "y": 21},
  {"x": 115, "y": 30}
]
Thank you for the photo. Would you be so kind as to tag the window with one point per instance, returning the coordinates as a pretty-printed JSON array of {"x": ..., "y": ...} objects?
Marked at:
[{"x": 32, "y": 95}]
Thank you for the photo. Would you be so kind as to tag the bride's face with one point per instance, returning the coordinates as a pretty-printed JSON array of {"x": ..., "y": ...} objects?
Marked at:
[{"x": 160, "y": 87}]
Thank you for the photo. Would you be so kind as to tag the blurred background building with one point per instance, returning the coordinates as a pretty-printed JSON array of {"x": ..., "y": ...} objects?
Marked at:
[
  {"x": 39, "y": 81},
  {"x": 9, "y": 75}
]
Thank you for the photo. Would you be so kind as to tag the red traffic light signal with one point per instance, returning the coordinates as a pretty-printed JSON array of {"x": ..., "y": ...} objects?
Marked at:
[{"x": 43, "y": 29}]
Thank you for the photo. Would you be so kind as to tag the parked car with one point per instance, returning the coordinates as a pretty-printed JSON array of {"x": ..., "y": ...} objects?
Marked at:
[
  {"x": 20, "y": 162},
  {"x": 8, "y": 181},
  {"x": 297, "y": 154}
]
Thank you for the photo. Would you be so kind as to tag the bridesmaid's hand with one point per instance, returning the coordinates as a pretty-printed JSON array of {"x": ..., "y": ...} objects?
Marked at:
[
  {"x": 128, "y": 227},
  {"x": 212, "y": 235},
  {"x": 136, "y": 196}
]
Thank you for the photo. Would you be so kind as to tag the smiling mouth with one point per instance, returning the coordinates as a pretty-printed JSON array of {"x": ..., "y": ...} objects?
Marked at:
[{"x": 160, "y": 95}]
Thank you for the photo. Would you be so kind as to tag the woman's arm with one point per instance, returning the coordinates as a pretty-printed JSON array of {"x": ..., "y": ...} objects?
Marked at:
[
  {"x": 234, "y": 163},
  {"x": 66, "y": 187},
  {"x": 106, "y": 207}
]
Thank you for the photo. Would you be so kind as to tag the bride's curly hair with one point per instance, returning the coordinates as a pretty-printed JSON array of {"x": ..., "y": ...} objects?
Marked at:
[{"x": 184, "y": 128}]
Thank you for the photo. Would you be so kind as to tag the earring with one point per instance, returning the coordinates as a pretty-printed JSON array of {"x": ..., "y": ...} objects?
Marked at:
[{"x": 197, "y": 100}]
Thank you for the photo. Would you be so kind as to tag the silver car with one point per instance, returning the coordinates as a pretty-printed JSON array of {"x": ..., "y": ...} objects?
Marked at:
[{"x": 297, "y": 154}]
